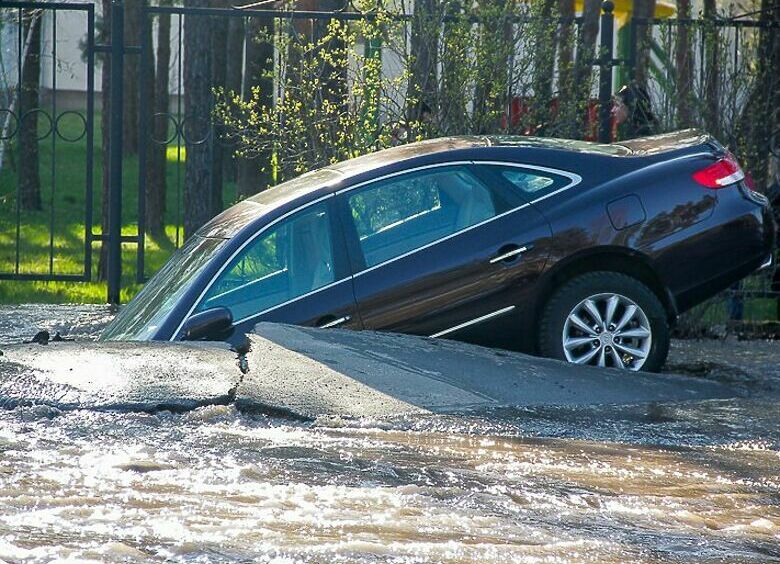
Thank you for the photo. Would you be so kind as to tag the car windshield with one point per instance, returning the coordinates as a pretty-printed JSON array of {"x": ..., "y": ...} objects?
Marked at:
[{"x": 140, "y": 319}]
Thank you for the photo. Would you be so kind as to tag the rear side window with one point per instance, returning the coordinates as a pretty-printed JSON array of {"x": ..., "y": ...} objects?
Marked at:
[
  {"x": 398, "y": 215},
  {"x": 531, "y": 183}
]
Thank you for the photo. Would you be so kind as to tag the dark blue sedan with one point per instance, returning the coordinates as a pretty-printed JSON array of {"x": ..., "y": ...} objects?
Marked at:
[{"x": 573, "y": 250}]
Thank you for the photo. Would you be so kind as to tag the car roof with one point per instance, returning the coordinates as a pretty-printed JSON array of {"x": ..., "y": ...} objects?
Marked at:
[
  {"x": 334, "y": 173},
  {"x": 574, "y": 145},
  {"x": 235, "y": 218},
  {"x": 371, "y": 161}
]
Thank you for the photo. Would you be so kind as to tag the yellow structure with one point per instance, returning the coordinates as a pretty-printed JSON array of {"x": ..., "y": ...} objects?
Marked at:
[{"x": 625, "y": 8}]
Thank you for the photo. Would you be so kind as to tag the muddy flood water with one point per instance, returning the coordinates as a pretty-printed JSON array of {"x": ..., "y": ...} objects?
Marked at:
[{"x": 678, "y": 482}]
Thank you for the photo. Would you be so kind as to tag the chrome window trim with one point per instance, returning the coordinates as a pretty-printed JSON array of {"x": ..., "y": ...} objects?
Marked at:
[
  {"x": 336, "y": 322},
  {"x": 575, "y": 180},
  {"x": 475, "y": 321},
  {"x": 401, "y": 172}
]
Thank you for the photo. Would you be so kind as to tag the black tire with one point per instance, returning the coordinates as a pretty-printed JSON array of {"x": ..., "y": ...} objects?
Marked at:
[{"x": 565, "y": 298}]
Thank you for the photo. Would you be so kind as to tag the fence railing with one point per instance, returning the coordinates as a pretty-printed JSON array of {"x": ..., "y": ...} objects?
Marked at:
[{"x": 173, "y": 149}]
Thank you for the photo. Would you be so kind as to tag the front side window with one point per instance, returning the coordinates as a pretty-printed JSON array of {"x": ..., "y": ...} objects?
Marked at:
[
  {"x": 290, "y": 259},
  {"x": 400, "y": 214}
]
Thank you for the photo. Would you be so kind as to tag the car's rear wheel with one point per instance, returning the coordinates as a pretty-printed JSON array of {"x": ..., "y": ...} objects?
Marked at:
[{"x": 605, "y": 319}]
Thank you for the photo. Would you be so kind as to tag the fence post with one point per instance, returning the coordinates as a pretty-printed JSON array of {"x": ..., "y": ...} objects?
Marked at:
[
  {"x": 633, "y": 34},
  {"x": 115, "y": 152},
  {"x": 605, "y": 71},
  {"x": 145, "y": 124}
]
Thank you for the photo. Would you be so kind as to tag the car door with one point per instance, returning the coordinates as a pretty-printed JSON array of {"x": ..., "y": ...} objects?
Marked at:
[
  {"x": 294, "y": 271},
  {"x": 438, "y": 251}
]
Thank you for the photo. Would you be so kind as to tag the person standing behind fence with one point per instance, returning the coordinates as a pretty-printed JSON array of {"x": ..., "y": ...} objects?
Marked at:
[{"x": 633, "y": 112}]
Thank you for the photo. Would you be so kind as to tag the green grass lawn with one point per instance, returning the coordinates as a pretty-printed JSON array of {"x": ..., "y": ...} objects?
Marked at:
[{"x": 65, "y": 199}]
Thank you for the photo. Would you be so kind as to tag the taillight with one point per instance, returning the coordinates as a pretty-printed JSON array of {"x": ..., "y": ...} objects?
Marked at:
[{"x": 722, "y": 173}]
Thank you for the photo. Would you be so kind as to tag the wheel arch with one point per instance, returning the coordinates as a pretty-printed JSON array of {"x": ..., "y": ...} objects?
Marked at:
[{"x": 611, "y": 259}]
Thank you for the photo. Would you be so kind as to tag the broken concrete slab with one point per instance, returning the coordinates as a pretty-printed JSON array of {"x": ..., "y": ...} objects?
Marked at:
[
  {"x": 316, "y": 372},
  {"x": 139, "y": 376}
]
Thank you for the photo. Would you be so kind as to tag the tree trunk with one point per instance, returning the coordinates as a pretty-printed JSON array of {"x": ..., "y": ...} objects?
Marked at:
[
  {"x": 29, "y": 173},
  {"x": 156, "y": 184},
  {"x": 197, "y": 110},
  {"x": 452, "y": 98},
  {"x": 586, "y": 54},
  {"x": 643, "y": 9},
  {"x": 254, "y": 174},
  {"x": 711, "y": 70},
  {"x": 493, "y": 52},
  {"x": 219, "y": 30},
  {"x": 234, "y": 70},
  {"x": 544, "y": 65},
  {"x": 105, "y": 130},
  {"x": 567, "y": 100},
  {"x": 684, "y": 67},
  {"x": 130, "y": 110},
  {"x": 423, "y": 53},
  {"x": 773, "y": 104},
  {"x": 761, "y": 119},
  {"x": 234, "y": 65}
]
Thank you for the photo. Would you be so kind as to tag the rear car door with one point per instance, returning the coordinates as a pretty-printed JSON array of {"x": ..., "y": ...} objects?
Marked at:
[
  {"x": 439, "y": 251},
  {"x": 295, "y": 271}
]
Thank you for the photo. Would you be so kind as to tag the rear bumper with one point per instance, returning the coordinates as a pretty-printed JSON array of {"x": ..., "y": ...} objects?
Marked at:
[
  {"x": 771, "y": 234},
  {"x": 748, "y": 248}
]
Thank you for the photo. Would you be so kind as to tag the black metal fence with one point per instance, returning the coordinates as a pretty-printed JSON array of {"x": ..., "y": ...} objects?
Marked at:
[
  {"x": 172, "y": 134},
  {"x": 30, "y": 191}
]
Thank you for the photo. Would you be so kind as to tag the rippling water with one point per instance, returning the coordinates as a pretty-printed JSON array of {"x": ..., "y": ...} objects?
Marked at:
[{"x": 672, "y": 482}]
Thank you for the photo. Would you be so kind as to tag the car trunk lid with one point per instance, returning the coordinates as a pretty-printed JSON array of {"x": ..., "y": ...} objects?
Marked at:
[{"x": 682, "y": 142}]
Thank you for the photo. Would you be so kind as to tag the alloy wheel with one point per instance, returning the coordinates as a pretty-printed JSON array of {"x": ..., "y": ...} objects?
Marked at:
[{"x": 608, "y": 330}]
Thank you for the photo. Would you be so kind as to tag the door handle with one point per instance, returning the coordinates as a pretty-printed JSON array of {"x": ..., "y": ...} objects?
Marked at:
[
  {"x": 508, "y": 252},
  {"x": 335, "y": 322}
]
